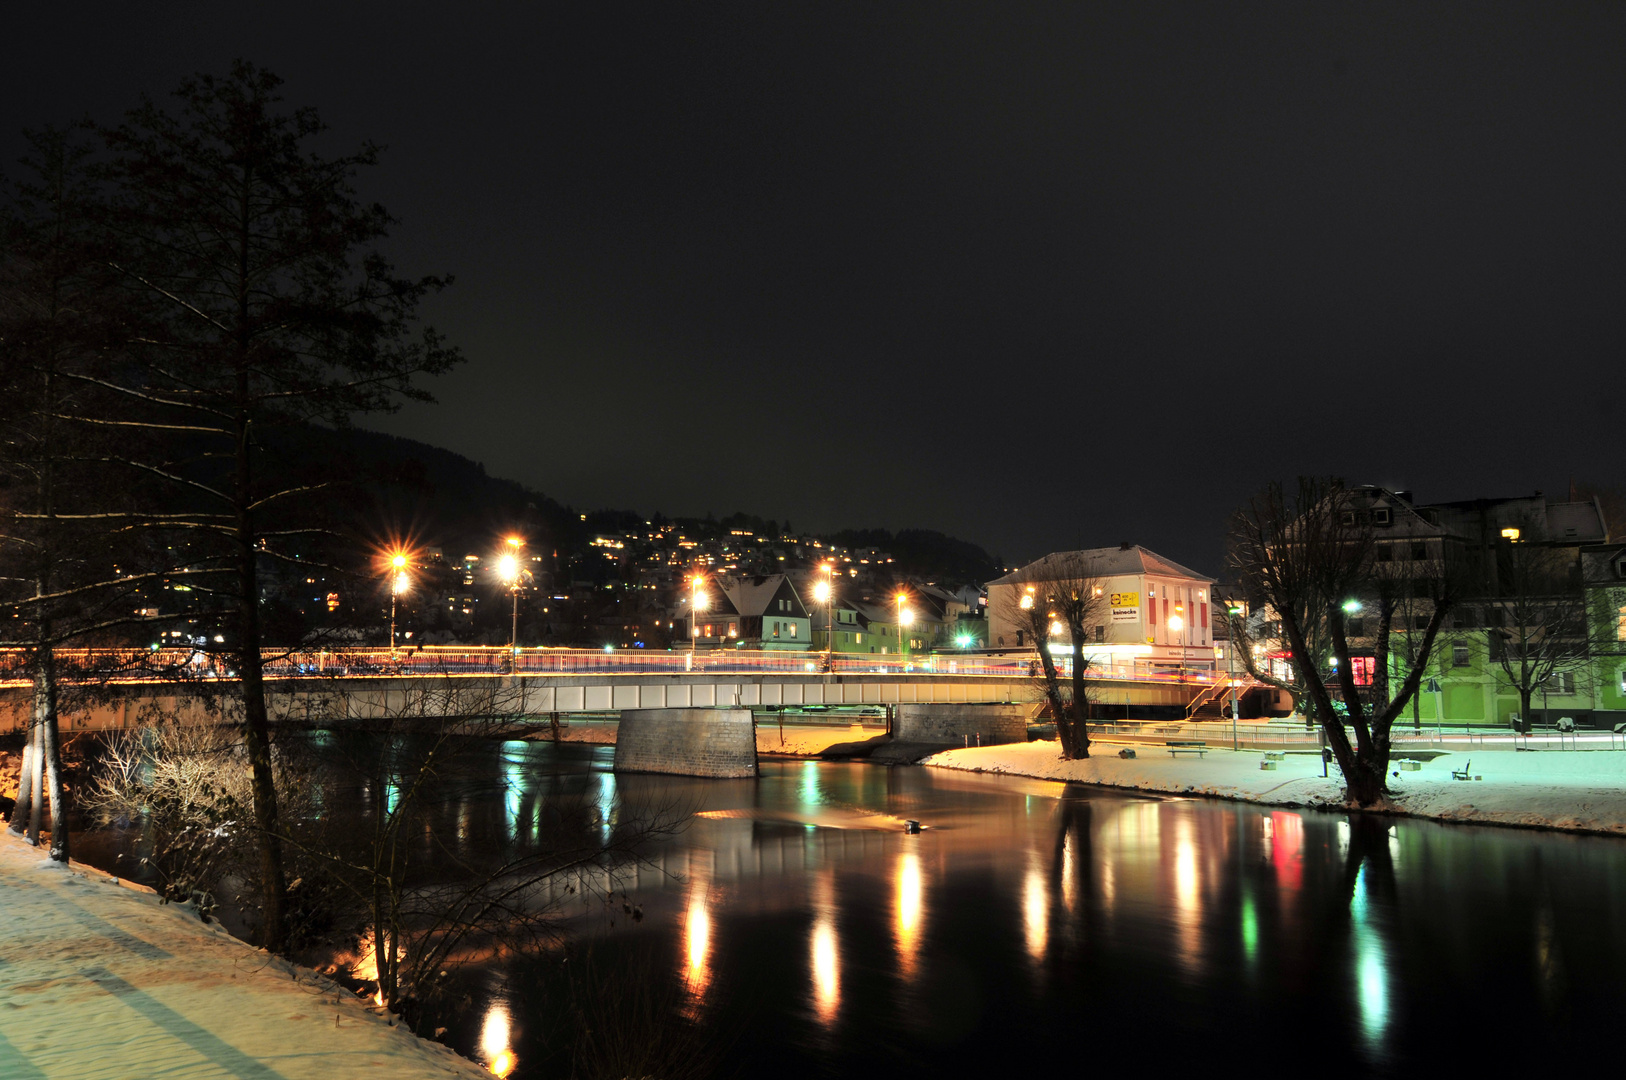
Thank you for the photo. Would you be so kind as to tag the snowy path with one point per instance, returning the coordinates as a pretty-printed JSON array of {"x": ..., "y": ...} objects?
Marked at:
[
  {"x": 98, "y": 980},
  {"x": 1579, "y": 790}
]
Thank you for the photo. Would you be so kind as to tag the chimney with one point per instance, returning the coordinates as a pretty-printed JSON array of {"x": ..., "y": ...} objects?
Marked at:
[
  {"x": 1404, "y": 496},
  {"x": 1125, "y": 546}
]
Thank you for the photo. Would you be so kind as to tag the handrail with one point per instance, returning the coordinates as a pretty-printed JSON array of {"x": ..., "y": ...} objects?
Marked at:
[{"x": 188, "y": 664}]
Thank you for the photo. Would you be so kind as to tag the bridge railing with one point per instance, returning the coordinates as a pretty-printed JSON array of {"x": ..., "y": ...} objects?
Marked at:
[{"x": 185, "y": 664}]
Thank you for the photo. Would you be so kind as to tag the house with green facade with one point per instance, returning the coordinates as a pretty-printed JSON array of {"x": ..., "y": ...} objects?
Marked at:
[{"x": 1535, "y": 632}]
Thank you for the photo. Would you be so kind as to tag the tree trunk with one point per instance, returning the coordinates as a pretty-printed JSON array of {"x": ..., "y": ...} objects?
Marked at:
[
  {"x": 36, "y": 796},
  {"x": 1081, "y": 703},
  {"x": 256, "y": 723},
  {"x": 1526, "y": 696},
  {"x": 45, "y": 718},
  {"x": 21, "y": 812}
]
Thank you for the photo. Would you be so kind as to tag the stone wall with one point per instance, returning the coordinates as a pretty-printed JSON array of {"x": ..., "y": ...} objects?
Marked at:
[
  {"x": 687, "y": 742},
  {"x": 941, "y": 722}
]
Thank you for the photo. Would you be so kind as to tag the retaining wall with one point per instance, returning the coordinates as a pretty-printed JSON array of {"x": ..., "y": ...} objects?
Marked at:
[
  {"x": 953, "y": 723},
  {"x": 687, "y": 742}
]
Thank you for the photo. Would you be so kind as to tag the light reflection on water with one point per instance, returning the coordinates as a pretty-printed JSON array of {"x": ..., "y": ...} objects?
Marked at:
[
  {"x": 826, "y": 953},
  {"x": 910, "y": 912},
  {"x": 794, "y": 914}
]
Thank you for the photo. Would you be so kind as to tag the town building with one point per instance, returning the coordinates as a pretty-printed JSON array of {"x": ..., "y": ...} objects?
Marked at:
[{"x": 1150, "y": 614}]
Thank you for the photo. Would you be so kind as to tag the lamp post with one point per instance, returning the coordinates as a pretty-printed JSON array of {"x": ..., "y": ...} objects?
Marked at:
[
  {"x": 1236, "y": 699},
  {"x": 1176, "y": 624},
  {"x": 900, "y": 598},
  {"x": 398, "y": 585},
  {"x": 698, "y": 603},
  {"x": 508, "y": 569},
  {"x": 824, "y": 593}
]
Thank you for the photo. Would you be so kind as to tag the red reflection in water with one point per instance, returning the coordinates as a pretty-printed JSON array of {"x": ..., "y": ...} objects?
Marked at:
[{"x": 1287, "y": 849}]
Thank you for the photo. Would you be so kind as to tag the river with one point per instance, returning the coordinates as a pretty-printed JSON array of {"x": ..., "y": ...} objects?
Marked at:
[{"x": 796, "y": 927}]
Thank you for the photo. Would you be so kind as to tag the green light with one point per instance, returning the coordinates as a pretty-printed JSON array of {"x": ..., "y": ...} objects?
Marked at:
[
  {"x": 1352, "y": 607},
  {"x": 1250, "y": 929}
]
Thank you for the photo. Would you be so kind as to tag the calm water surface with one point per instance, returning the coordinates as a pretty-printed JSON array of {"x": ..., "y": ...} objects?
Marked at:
[{"x": 1043, "y": 925}]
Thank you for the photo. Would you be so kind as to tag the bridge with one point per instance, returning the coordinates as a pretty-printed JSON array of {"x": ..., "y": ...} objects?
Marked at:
[{"x": 545, "y": 681}]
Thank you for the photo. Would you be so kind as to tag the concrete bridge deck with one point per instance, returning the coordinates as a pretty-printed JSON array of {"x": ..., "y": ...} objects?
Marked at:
[{"x": 539, "y": 682}]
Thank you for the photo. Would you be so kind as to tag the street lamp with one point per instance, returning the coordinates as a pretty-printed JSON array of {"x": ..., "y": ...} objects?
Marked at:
[
  {"x": 399, "y": 583},
  {"x": 697, "y": 604},
  {"x": 826, "y": 595},
  {"x": 508, "y": 570},
  {"x": 906, "y": 619},
  {"x": 1176, "y": 624}
]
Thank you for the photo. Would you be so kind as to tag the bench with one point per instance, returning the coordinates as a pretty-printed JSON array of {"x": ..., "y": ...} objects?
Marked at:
[{"x": 1198, "y": 748}]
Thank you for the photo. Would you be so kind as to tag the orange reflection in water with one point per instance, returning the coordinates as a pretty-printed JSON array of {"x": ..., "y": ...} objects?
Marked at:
[
  {"x": 495, "y": 1035},
  {"x": 910, "y": 912},
  {"x": 1069, "y": 872},
  {"x": 1035, "y": 912},
  {"x": 697, "y": 939},
  {"x": 1188, "y": 901},
  {"x": 826, "y": 953}
]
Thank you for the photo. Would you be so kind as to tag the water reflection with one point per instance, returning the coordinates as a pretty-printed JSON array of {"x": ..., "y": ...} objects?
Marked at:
[
  {"x": 697, "y": 937},
  {"x": 1188, "y": 903},
  {"x": 826, "y": 959},
  {"x": 1035, "y": 910},
  {"x": 776, "y": 934},
  {"x": 909, "y": 912},
  {"x": 496, "y": 1038},
  {"x": 1370, "y": 870}
]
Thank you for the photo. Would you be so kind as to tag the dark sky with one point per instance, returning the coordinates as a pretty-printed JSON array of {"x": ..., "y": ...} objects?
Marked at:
[{"x": 1040, "y": 276}]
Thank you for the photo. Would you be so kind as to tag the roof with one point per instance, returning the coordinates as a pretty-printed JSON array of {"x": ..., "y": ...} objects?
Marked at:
[
  {"x": 1575, "y": 521},
  {"x": 1099, "y": 562},
  {"x": 752, "y": 595}
]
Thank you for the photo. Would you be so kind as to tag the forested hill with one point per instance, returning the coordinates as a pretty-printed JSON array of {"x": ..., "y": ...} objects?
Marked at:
[{"x": 432, "y": 497}]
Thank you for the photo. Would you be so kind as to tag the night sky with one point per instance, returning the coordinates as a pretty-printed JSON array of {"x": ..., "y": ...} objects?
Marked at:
[{"x": 1040, "y": 276}]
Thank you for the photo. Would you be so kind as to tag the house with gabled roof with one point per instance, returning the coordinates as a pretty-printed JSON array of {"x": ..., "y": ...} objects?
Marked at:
[
  {"x": 1154, "y": 615},
  {"x": 772, "y": 615}
]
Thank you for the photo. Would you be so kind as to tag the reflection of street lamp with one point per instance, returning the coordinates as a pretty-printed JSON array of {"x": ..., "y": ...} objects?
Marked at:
[
  {"x": 508, "y": 571},
  {"x": 398, "y": 585},
  {"x": 826, "y": 595}
]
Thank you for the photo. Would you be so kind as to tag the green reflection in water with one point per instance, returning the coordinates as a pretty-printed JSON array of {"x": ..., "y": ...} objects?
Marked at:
[{"x": 1371, "y": 966}]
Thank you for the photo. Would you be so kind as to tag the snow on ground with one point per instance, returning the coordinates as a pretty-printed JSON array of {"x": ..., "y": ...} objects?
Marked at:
[
  {"x": 99, "y": 980},
  {"x": 1581, "y": 790},
  {"x": 804, "y": 740}
]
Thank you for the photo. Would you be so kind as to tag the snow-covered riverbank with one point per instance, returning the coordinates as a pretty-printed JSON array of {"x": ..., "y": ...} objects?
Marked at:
[
  {"x": 101, "y": 981},
  {"x": 1578, "y": 790}
]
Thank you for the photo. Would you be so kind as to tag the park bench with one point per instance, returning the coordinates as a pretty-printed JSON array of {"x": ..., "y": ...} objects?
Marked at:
[{"x": 1198, "y": 748}]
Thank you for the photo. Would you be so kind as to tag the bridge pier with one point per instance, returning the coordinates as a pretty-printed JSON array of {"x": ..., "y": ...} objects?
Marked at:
[
  {"x": 687, "y": 742},
  {"x": 985, "y": 725}
]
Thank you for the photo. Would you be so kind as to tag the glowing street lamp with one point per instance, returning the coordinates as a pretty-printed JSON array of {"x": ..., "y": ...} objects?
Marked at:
[
  {"x": 398, "y": 585},
  {"x": 906, "y": 619},
  {"x": 699, "y": 602},
  {"x": 825, "y": 594},
  {"x": 508, "y": 570},
  {"x": 1176, "y": 624}
]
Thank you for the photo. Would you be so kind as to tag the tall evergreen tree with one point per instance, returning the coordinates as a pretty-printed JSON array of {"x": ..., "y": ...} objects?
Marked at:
[{"x": 261, "y": 302}]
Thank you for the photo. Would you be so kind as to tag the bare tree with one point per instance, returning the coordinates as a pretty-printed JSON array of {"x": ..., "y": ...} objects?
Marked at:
[
  {"x": 259, "y": 301},
  {"x": 1308, "y": 555},
  {"x": 1065, "y": 593},
  {"x": 1535, "y": 617}
]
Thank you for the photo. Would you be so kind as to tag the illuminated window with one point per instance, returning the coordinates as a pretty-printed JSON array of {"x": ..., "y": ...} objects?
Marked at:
[
  {"x": 1510, "y": 534},
  {"x": 1620, "y": 629},
  {"x": 792, "y": 634}
]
